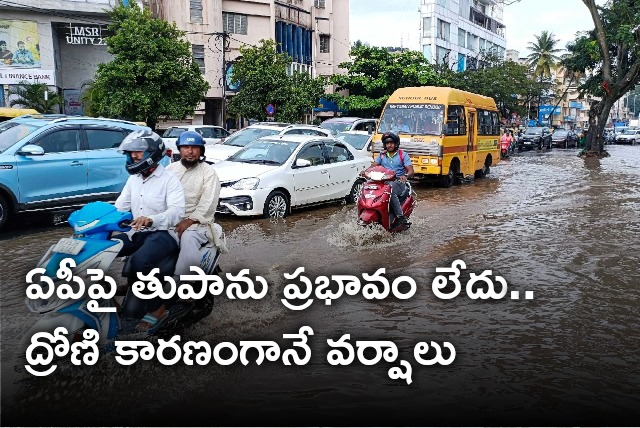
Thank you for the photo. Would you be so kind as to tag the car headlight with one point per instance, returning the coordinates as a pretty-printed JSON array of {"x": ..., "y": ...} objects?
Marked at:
[{"x": 246, "y": 184}]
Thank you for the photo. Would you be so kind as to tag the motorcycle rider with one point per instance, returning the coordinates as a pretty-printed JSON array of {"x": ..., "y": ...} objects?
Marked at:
[
  {"x": 394, "y": 159},
  {"x": 201, "y": 190},
  {"x": 507, "y": 138},
  {"x": 156, "y": 200}
]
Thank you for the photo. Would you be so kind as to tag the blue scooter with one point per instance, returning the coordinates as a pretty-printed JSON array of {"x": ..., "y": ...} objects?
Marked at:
[{"x": 92, "y": 247}]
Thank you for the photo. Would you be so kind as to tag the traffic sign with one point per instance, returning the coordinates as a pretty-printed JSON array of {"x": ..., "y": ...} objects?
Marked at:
[{"x": 270, "y": 109}]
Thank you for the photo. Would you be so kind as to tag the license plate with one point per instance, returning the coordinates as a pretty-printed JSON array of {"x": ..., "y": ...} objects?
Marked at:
[
  {"x": 527, "y": 142},
  {"x": 69, "y": 246}
]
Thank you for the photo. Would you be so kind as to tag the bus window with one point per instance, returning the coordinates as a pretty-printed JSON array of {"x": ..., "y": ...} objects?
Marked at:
[
  {"x": 456, "y": 123},
  {"x": 416, "y": 119}
]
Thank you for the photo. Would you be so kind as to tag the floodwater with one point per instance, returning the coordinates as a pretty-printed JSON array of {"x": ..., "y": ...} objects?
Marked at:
[{"x": 565, "y": 228}]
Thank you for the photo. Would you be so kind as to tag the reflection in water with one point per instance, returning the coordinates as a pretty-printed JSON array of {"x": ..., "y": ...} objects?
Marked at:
[{"x": 549, "y": 222}]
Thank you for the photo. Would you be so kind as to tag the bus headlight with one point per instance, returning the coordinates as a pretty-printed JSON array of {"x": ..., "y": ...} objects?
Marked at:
[{"x": 434, "y": 161}]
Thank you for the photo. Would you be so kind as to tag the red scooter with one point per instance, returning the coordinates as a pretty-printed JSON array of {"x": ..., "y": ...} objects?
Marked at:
[
  {"x": 504, "y": 149},
  {"x": 373, "y": 203}
]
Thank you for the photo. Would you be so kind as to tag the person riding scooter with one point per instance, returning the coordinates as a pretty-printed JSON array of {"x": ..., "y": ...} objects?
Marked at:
[
  {"x": 156, "y": 200},
  {"x": 506, "y": 142},
  {"x": 396, "y": 160}
]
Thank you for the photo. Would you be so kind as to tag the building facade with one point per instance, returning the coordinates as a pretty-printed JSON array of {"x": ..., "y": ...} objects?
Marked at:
[
  {"x": 457, "y": 32},
  {"x": 66, "y": 39}
]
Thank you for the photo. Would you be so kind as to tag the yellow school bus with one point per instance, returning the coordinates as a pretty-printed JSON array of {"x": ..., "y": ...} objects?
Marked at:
[{"x": 448, "y": 133}]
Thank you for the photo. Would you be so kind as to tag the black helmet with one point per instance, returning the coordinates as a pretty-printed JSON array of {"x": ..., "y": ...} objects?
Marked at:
[
  {"x": 145, "y": 141},
  {"x": 391, "y": 137}
]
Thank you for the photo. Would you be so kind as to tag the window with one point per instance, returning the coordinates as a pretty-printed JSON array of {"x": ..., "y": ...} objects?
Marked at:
[
  {"x": 313, "y": 154},
  {"x": 462, "y": 38},
  {"x": 338, "y": 153},
  {"x": 481, "y": 44},
  {"x": 426, "y": 26},
  {"x": 319, "y": 4},
  {"x": 443, "y": 3},
  {"x": 198, "y": 56},
  {"x": 444, "y": 30},
  {"x": 488, "y": 122},
  {"x": 104, "y": 138},
  {"x": 67, "y": 140},
  {"x": 442, "y": 55},
  {"x": 456, "y": 121},
  {"x": 234, "y": 23},
  {"x": 324, "y": 44},
  {"x": 471, "y": 41},
  {"x": 196, "y": 11}
]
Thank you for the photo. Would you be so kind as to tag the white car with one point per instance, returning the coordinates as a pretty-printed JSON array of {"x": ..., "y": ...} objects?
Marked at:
[
  {"x": 274, "y": 174},
  {"x": 359, "y": 140},
  {"x": 629, "y": 136},
  {"x": 251, "y": 133},
  {"x": 210, "y": 134}
]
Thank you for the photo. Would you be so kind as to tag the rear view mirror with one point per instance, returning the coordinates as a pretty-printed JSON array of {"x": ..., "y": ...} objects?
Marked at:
[
  {"x": 301, "y": 163},
  {"x": 31, "y": 150}
]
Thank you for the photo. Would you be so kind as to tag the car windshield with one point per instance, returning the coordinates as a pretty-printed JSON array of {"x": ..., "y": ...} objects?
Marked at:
[
  {"x": 248, "y": 135},
  {"x": 356, "y": 141},
  {"x": 560, "y": 133},
  {"x": 415, "y": 119},
  {"x": 336, "y": 127},
  {"x": 534, "y": 131},
  {"x": 629, "y": 131},
  {"x": 13, "y": 132},
  {"x": 173, "y": 132},
  {"x": 266, "y": 152}
]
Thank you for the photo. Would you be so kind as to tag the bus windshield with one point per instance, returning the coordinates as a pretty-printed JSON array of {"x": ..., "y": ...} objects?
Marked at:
[{"x": 416, "y": 119}]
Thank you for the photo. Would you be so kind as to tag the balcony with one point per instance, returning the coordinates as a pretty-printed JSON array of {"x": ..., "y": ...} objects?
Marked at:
[{"x": 476, "y": 16}]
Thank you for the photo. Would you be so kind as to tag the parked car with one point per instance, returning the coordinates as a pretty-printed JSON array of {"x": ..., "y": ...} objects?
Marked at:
[
  {"x": 535, "y": 137},
  {"x": 340, "y": 124},
  {"x": 359, "y": 140},
  {"x": 251, "y": 133},
  {"x": 629, "y": 136},
  {"x": 211, "y": 135},
  {"x": 274, "y": 174},
  {"x": 564, "y": 138},
  {"x": 53, "y": 162}
]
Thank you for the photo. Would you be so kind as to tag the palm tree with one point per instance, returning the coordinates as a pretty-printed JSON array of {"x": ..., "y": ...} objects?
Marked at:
[
  {"x": 543, "y": 55},
  {"x": 31, "y": 95}
]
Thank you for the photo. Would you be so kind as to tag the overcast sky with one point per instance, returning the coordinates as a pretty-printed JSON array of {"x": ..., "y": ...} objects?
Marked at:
[{"x": 397, "y": 22}]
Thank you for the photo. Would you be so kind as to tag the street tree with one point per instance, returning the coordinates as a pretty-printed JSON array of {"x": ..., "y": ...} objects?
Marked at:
[
  {"x": 152, "y": 73},
  {"x": 544, "y": 54},
  {"x": 507, "y": 82},
  {"x": 32, "y": 95},
  {"x": 262, "y": 74},
  {"x": 374, "y": 73},
  {"x": 610, "y": 56}
]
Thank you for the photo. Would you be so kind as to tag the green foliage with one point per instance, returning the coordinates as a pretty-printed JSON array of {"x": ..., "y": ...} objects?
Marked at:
[
  {"x": 262, "y": 73},
  {"x": 543, "y": 55},
  {"x": 373, "y": 75},
  {"x": 31, "y": 95},
  {"x": 152, "y": 73},
  {"x": 507, "y": 82},
  {"x": 612, "y": 60}
]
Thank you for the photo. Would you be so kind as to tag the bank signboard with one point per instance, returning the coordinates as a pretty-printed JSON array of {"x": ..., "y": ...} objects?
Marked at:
[{"x": 30, "y": 75}]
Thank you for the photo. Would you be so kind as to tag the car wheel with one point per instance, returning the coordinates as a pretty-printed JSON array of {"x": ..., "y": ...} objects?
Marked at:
[
  {"x": 276, "y": 205},
  {"x": 4, "y": 211},
  {"x": 355, "y": 192}
]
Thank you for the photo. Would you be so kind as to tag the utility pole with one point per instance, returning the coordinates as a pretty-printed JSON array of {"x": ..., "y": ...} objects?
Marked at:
[{"x": 221, "y": 44}]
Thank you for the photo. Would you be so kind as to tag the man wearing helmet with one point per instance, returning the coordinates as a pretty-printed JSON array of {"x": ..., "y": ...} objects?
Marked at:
[
  {"x": 202, "y": 191},
  {"x": 395, "y": 159},
  {"x": 156, "y": 200}
]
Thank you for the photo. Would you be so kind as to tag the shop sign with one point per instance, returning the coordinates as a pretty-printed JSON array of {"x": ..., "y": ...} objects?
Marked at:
[{"x": 85, "y": 35}]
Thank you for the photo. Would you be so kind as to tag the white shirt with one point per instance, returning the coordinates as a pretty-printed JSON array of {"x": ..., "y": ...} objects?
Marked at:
[{"x": 159, "y": 197}]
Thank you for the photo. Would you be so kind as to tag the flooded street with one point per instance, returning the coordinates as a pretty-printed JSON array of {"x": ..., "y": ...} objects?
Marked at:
[{"x": 551, "y": 223}]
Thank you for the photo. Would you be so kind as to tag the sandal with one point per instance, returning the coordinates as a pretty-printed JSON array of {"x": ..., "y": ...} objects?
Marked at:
[{"x": 150, "y": 321}]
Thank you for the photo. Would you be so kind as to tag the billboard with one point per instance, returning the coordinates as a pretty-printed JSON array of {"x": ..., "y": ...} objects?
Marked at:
[{"x": 19, "y": 44}]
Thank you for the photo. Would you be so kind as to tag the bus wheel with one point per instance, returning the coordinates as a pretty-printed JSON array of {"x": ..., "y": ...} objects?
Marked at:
[{"x": 446, "y": 181}]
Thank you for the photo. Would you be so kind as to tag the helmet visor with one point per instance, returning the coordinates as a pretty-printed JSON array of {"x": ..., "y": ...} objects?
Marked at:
[{"x": 134, "y": 143}]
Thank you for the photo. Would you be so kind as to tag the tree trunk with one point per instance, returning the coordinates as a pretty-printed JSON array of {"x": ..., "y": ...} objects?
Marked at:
[{"x": 598, "y": 117}]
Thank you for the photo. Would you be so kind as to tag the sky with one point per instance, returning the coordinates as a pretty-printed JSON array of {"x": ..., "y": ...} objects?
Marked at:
[{"x": 397, "y": 22}]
